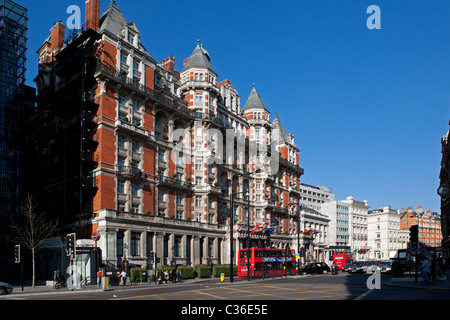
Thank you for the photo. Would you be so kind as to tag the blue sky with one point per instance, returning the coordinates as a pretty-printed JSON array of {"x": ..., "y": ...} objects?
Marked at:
[{"x": 368, "y": 107}]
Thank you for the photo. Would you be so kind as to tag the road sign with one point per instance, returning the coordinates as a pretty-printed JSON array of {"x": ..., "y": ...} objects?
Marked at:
[{"x": 94, "y": 236}]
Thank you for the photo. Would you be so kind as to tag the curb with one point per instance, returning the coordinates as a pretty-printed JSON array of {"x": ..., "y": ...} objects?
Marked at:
[{"x": 419, "y": 285}]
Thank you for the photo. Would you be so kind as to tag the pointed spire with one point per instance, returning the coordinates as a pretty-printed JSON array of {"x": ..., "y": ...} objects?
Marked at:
[
  {"x": 254, "y": 100},
  {"x": 279, "y": 133}
]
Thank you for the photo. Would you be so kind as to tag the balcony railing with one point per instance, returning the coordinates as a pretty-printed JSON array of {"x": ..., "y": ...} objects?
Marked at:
[
  {"x": 291, "y": 165},
  {"x": 134, "y": 129},
  {"x": 129, "y": 172},
  {"x": 157, "y": 95},
  {"x": 166, "y": 181}
]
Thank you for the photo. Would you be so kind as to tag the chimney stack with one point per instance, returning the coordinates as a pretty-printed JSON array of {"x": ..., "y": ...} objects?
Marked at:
[
  {"x": 169, "y": 63},
  {"x": 57, "y": 37},
  {"x": 92, "y": 14}
]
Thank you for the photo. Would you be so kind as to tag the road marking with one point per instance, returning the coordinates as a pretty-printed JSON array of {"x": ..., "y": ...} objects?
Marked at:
[
  {"x": 136, "y": 297},
  {"x": 253, "y": 292},
  {"x": 207, "y": 294},
  {"x": 364, "y": 294}
]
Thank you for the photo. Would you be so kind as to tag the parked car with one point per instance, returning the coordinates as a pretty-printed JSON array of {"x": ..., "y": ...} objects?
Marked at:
[
  {"x": 385, "y": 267},
  {"x": 373, "y": 266},
  {"x": 315, "y": 267},
  {"x": 346, "y": 267},
  {"x": 5, "y": 288},
  {"x": 358, "y": 267}
]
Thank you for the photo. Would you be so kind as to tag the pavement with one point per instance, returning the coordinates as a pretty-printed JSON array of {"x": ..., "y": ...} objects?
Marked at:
[
  {"x": 47, "y": 289},
  {"x": 405, "y": 282},
  {"x": 410, "y": 282}
]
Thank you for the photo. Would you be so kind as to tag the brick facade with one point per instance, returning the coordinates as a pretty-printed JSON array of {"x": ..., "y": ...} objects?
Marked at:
[{"x": 143, "y": 197}]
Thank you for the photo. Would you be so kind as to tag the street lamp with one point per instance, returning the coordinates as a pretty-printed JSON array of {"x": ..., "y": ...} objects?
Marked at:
[
  {"x": 248, "y": 221},
  {"x": 298, "y": 234},
  {"x": 232, "y": 224}
]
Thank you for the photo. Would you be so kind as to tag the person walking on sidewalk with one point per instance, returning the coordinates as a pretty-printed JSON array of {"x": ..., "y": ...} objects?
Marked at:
[
  {"x": 99, "y": 278},
  {"x": 425, "y": 271},
  {"x": 123, "y": 275}
]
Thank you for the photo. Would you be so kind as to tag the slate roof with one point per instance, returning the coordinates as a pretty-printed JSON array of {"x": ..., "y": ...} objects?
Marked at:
[
  {"x": 254, "y": 101},
  {"x": 199, "y": 59},
  {"x": 113, "y": 21},
  {"x": 282, "y": 133}
]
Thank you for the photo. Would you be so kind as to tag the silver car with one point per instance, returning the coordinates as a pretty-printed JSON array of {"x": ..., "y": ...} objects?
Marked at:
[
  {"x": 358, "y": 267},
  {"x": 373, "y": 266},
  {"x": 385, "y": 267},
  {"x": 5, "y": 288}
]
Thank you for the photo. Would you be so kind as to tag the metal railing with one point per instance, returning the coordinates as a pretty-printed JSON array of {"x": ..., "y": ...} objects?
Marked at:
[{"x": 157, "y": 95}]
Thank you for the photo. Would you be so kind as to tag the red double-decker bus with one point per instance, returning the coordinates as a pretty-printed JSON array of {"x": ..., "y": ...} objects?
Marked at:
[
  {"x": 342, "y": 258},
  {"x": 266, "y": 262}
]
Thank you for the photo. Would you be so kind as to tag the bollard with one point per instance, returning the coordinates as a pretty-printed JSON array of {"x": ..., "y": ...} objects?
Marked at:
[
  {"x": 106, "y": 284},
  {"x": 222, "y": 277}
]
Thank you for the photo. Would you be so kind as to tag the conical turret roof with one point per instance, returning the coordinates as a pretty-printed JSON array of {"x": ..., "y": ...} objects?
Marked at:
[
  {"x": 199, "y": 59},
  {"x": 254, "y": 101},
  {"x": 282, "y": 135}
]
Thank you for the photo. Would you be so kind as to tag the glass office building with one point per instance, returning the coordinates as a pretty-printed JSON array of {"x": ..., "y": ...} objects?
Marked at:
[{"x": 13, "y": 30}]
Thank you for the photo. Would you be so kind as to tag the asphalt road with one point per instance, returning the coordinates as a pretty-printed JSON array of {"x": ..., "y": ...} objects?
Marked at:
[{"x": 312, "y": 287}]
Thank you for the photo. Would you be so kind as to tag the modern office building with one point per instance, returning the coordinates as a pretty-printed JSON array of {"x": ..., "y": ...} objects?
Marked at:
[
  {"x": 13, "y": 39},
  {"x": 338, "y": 213},
  {"x": 156, "y": 156},
  {"x": 315, "y": 196}
]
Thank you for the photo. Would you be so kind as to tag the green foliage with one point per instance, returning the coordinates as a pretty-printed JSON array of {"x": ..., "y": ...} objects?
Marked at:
[
  {"x": 186, "y": 272},
  {"x": 217, "y": 270},
  {"x": 138, "y": 275},
  {"x": 203, "y": 272}
]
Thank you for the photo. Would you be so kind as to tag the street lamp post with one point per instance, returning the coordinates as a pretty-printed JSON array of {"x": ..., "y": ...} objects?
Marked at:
[
  {"x": 248, "y": 231},
  {"x": 231, "y": 232},
  {"x": 298, "y": 240},
  {"x": 232, "y": 224},
  {"x": 248, "y": 221}
]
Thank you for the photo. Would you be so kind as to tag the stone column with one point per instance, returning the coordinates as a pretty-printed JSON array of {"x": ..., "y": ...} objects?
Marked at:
[
  {"x": 195, "y": 250},
  {"x": 158, "y": 245}
]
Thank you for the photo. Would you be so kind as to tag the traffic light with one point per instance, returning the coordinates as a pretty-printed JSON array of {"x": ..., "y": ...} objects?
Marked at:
[
  {"x": 414, "y": 236},
  {"x": 71, "y": 244},
  {"x": 152, "y": 256},
  {"x": 17, "y": 253}
]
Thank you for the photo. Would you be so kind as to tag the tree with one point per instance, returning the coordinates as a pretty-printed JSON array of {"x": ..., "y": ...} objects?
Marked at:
[{"x": 32, "y": 229}]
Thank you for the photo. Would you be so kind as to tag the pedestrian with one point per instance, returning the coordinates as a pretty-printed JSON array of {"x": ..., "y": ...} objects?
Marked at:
[
  {"x": 174, "y": 275},
  {"x": 123, "y": 275},
  {"x": 425, "y": 271},
  {"x": 99, "y": 278},
  {"x": 433, "y": 270},
  {"x": 166, "y": 275},
  {"x": 444, "y": 268},
  {"x": 179, "y": 276},
  {"x": 160, "y": 275}
]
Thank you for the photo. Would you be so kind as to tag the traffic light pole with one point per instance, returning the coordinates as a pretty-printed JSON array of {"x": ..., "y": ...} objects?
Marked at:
[{"x": 17, "y": 261}]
